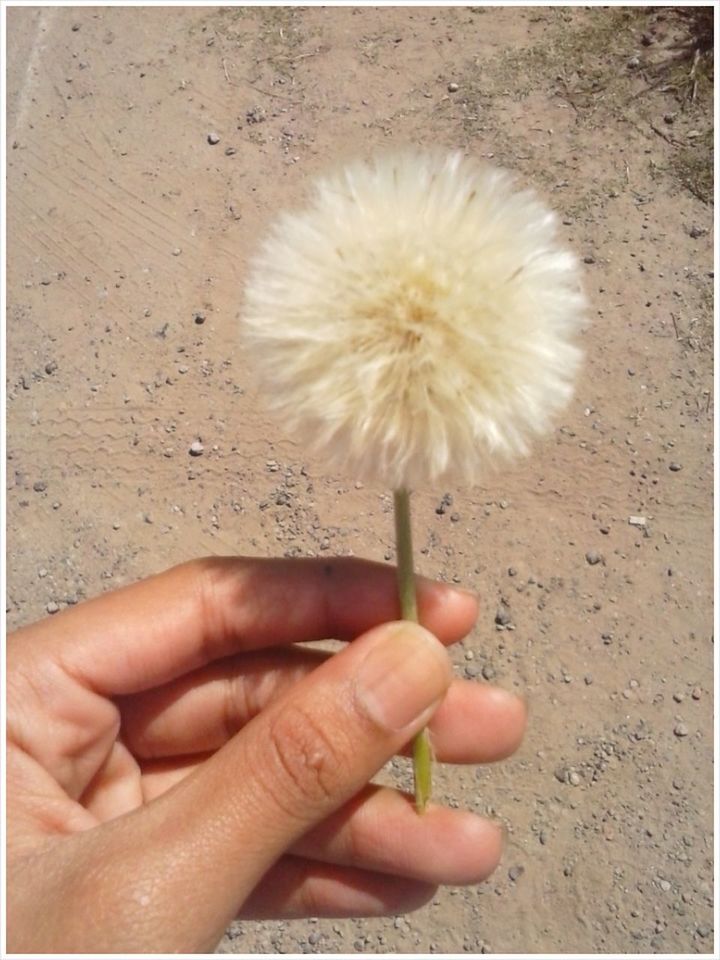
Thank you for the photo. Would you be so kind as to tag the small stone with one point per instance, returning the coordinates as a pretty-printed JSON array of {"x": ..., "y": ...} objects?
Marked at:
[
  {"x": 574, "y": 778},
  {"x": 488, "y": 671},
  {"x": 40, "y": 486},
  {"x": 543, "y": 837},
  {"x": 633, "y": 63},
  {"x": 51, "y": 367},
  {"x": 696, "y": 693},
  {"x": 647, "y": 39},
  {"x": 314, "y": 937},
  {"x": 230, "y": 151},
  {"x": 454, "y": 517},
  {"x": 199, "y": 318},
  {"x": 696, "y": 231},
  {"x": 42, "y": 573},
  {"x": 52, "y": 607},
  {"x": 593, "y": 557},
  {"x": 196, "y": 449},
  {"x": 588, "y": 258},
  {"x": 116, "y": 525},
  {"x": 665, "y": 885},
  {"x": 512, "y": 572},
  {"x": 588, "y": 679},
  {"x": 704, "y": 930},
  {"x": 516, "y": 872},
  {"x": 183, "y": 368},
  {"x": 681, "y": 730},
  {"x": 678, "y": 697},
  {"x": 213, "y": 138},
  {"x": 674, "y": 467},
  {"x": 75, "y": 27},
  {"x": 176, "y": 251},
  {"x": 636, "y": 521},
  {"x": 502, "y": 617},
  {"x": 453, "y": 87}
]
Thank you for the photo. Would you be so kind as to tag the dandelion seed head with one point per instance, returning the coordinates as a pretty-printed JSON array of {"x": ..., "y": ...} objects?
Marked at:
[{"x": 417, "y": 321}]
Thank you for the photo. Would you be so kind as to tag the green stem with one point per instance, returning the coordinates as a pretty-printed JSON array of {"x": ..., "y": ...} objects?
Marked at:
[{"x": 422, "y": 752}]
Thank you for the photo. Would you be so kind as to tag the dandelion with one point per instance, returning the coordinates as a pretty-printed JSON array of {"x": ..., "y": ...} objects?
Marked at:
[{"x": 416, "y": 325}]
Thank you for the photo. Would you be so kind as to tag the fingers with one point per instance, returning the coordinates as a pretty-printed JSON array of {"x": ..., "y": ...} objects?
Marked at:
[
  {"x": 476, "y": 723},
  {"x": 296, "y": 887},
  {"x": 149, "y": 633},
  {"x": 290, "y": 768},
  {"x": 380, "y": 831}
]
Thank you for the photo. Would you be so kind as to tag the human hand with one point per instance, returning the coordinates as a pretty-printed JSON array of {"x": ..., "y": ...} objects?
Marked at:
[{"x": 175, "y": 760}]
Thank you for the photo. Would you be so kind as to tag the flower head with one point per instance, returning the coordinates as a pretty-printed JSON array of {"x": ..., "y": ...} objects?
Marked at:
[{"x": 416, "y": 321}]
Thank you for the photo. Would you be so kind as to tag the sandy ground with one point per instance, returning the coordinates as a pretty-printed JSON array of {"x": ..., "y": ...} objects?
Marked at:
[{"x": 129, "y": 234}]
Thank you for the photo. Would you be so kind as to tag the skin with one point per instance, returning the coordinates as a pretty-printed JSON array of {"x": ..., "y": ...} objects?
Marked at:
[{"x": 175, "y": 759}]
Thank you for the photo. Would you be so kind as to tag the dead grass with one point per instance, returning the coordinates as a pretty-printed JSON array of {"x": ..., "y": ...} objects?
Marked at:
[{"x": 692, "y": 166}]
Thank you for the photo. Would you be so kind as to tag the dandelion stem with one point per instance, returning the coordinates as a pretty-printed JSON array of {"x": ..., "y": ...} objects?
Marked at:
[{"x": 422, "y": 752}]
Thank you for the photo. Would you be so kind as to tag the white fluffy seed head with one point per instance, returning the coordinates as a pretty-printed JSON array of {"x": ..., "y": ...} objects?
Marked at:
[{"x": 416, "y": 322}]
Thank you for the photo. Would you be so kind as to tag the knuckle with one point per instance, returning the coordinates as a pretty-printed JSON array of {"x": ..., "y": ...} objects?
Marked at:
[{"x": 308, "y": 762}]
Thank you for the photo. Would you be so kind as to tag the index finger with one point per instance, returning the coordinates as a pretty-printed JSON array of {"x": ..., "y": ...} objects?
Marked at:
[{"x": 161, "y": 628}]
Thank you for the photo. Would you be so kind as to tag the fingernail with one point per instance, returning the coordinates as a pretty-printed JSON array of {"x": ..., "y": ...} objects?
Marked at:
[
  {"x": 502, "y": 829},
  {"x": 404, "y": 674},
  {"x": 505, "y": 698}
]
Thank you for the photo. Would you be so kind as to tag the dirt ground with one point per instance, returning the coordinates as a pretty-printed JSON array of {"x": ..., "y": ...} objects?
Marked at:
[{"x": 129, "y": 233}]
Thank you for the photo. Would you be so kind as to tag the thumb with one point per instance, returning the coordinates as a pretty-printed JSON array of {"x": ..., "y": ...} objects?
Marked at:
[{"x": 289, "y": 768}]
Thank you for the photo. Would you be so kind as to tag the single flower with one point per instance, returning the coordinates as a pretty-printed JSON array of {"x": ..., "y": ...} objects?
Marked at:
[{"x": 415, "y": 324}]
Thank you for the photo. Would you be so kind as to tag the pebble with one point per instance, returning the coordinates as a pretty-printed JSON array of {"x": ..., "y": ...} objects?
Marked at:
[
  {"x": 199, "y": 318},
  {"x": 704, "y": 930},
  {"x": 574, "y": 778},
  {"x": 512, "y": 572},
  {"x": 637, "y": 521},
  {"x": 633, "y": 63},
  {"x": 588, "y": 679},
  {"x": 183, "y": 368},
  {"x": 196, "y": 449},
  {"x": 42, "y": 573},
  {"x": 229, "y": 151},
  {"x": 314, "y": 937},
  {"x": 176, "y": 251},
  {"x": 52, "y": 607},
  {"x": 502, "y": 617},
  {"x": 678, "y": 697},
  {"x": 116, "y": 525},
  {"x": 213, "y": 138},
  {"x": 588, "y": 258},
  {"x": 593, "y": 557},
  {"x": 674, "y": 467},
  {"x": 681, "y": 730},
  {"x": 453, "y": 87},
  {"x": 488, "y": 671},
  {"x": 696, "y": 231},
  {"x": 665, "y": 885},
  {"x": 51, "y": 367},
  {"x": 516, "y": 872},
  {"x": 40, "y": 486},
  {"x": 696, "y": 693}
]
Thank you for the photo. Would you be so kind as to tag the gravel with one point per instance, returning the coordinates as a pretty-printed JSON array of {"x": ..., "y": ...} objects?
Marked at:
[{"x": 196, "y": 449}]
